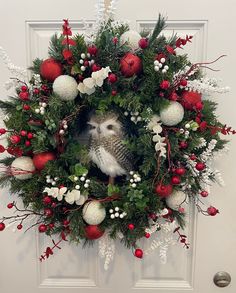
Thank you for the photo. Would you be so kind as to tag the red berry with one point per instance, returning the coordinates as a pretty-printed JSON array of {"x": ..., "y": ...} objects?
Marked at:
[
  {"x": 30, "y": 135},
  {"x": 48, "y": 212},
  {"x": 204, "y": 193},
  {"x": 42, "y": 228},
  {"x": 15, "y": 139},
  {"x": 143, "y": 43},
  {"x": 165, "y": 84},
  {"x": 2, "y": 149},
  {"x": 2, "y": 131},
  {"x": 27, "y": 143},
  {"x": 183, "y": 144},
  {"x": 180, "y": 171},
  {"x": 54, "y": 204},
  {"x": 10, "y": 205},
  {"x": 112, "y": 78},
  {"x": 51, "y": 225},
  {"x": 80, "y": 78},
  {"x": 193, "y": 157},
  {"x": 65, "y": 222},
  {"x": 86, "y": 63},
  {"x": 175, "y": 180},
  {"x": 183, "y": 82},
  {"x": 115, "y": 40},
  {"x": 36, "y": 91},
  {"x": 23, "y": 133},
  {"x": 26, "y": 107},
  {"x": 138, "y": 253},
  {"x": 147, "y": 235},
  {"x": 24, "y": 96},
  {"x": 173, "y": 96},
  {"x": 19, "y": 227},
  {"x": 200, "y": 166},
  {"x": 2, "y": 226},
  {"x": 131, "y": 226},
  {"x": 24, "y": 88},
  {"x": 95, "y": 67},
  {"x": 199, "y": 106},
  {"x": 153, "y": 216},
  {"x": 44, "y": 87},
  {"x": 212, "y": 211},
  {"x": 114, "y": 93},
  {"x": 92, "y": 50},
  {"x": 47, "y": 200}
]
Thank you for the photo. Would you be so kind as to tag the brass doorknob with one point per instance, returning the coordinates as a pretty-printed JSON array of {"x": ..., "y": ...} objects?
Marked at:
[{"x": 222, "y": 279}]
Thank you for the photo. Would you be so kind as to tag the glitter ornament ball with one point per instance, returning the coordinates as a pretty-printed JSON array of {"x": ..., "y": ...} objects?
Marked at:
[
  {"x": 131, "y": 39},
  {"x": 41, "y": 159},
  {"x": 93, "y": 213},
  {"x": 23, "y": 165},
  {"x": 175, "y": 200},
  {"x": 65, "y": 87},
  {"x": 93, "y": 232},
  {"x": 191, "y": 99},
  {"x": 50, "y": 69},
  {"x": 164, "y": 190},
  {"x": 172, "y": 114},
  {"x": 130, "y": 65}
]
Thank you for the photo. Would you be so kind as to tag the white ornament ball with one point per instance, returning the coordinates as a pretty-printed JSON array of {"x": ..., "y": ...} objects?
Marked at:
[
  {"x": 22, "y": 164},
  {"x": 65, "y": 87},
  {"x": 93, "y": 213},
  {"x": 172, "y": 114},
  {"x": 175, "y": 200},
  {"x": 131, "y": 38}
]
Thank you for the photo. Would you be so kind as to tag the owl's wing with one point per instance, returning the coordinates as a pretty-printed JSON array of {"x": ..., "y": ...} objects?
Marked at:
[{"x": 117, "y": 148}]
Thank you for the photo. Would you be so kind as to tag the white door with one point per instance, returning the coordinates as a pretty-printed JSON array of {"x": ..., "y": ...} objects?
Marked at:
[{"x": 25, "y": 29}]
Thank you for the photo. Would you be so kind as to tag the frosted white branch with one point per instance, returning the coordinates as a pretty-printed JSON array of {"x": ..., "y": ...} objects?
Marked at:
[{"x": 106, "y": 249}]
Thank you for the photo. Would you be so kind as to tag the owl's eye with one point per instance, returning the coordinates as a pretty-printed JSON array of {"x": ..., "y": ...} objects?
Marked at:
[
  {"x": 110, "y": 126},
  {"x": 92, "y": 126}
]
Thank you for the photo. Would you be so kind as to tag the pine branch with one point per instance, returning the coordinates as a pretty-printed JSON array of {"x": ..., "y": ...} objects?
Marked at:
[{"x": 160, "y": 25}]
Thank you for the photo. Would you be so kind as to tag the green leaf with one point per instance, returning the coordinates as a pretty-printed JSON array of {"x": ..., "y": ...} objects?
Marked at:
[
  {"x": 80, "y": 170},
  {"x": 112, "y": 189}
]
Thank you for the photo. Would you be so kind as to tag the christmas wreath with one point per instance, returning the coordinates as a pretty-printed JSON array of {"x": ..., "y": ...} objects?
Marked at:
[{"x": 111, "y": 137}]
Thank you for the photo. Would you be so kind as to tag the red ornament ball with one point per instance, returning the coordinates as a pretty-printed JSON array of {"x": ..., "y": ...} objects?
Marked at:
[
  {"x": 131, "y": 226},
  {"x": 50, "y": 69},
  {"x": 112, "y": 78},
  {"x": 138, "y": 253},
  {"x": 2, "y": 226},
  {"x": 212, "y": 211},
  {"x": 200, "y": 166},
  {"x": 175, "y": 180},
  {"x": 42, "y": 228},
  {"x": 190, "y": 99},
  {"x": 41, "y": 159},
  {"x": 204, "y": 193},
  {"x": 143, "y": 43},
  {"x": 164, "y": 190},
  {"x": 180, "y": 171},
  {"x": 130, "y": 65},
  {"x": 93, "y": 232}
]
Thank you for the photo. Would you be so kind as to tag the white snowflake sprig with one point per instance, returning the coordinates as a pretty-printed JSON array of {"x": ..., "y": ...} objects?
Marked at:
[
  {"x": 155, "y": 126},
  {"x": 134, "y": 179}
]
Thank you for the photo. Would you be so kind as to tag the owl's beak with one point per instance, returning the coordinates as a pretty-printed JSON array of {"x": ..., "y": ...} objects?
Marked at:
[{"x": 99, "y": 130}]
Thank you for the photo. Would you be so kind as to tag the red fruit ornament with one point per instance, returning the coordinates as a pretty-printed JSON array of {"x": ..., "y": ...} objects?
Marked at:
[
  {"x": 212, "y": 211},
  {"x": 164, "y": 190},
  {"x": 19, "y": 227},
  {"x": 175, "y": 180},
  {"x": 15, "y": 139},
  {"x": 112, "y": 78},
  {"x": 93, "y": 232},
  {"x": 130, "y": 65},
  {"x": 190, "y": 99},
  {"x": 2, "y": 226},
  {"x": 24, "y": 96},
  {"x": 200, "y": 166},
  {"x": 204, "y": 193},
  {"x": 50, "y": 69},
  {"x": 41, "y": 159},
  {"x": 131, "y": 226},
  {"x": 10, "y": 205},
  {"x": 42, "y": 228},
  {"x": 138, "y": 253},
  {"x": 180, "y": 171},
  {"x": 143, "y": 43}
]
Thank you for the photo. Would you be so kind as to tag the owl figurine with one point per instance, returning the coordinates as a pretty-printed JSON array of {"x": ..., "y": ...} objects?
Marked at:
[{"x": 106, "y": 148}]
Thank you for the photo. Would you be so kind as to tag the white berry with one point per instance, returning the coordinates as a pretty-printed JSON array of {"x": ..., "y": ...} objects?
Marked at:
[
  {"x": 88, "y": 55},
  {"x": 87, "y": 181},
  {"x": 92, "y": 62},
  {"x": 131, "y": 180},
  {"x": 65, "y": 126},
  {"x": 131, "y": 172},
  {"x": 166, "y": 67},
  {"x": 53, "y": 183},
  {"x": 82, "y": 178},
  {"x": 82, "y": 55},
  {"x": 116, "y": 209},
  {"x": 44, "y": 105},
  {"x": 77, "y": 187},
  {"x": 126, "y": 113},
  {"x": 163, "y": 60},
  {"x": 84, "y": 175},
  {"x": 121, "y": 216},
  {"x": 81, "y": 61},
  {"x": 163, "y": 71},
  {"x": 36, "y": 111},
  {"x": 133, "y": 118},
  {"x": 83, "y": 68},
  {"x": 111, "y": 211},
  {"x": 139, "y": 118},
  {"x": 134, "y": 185},
  {"x": 160, "y": 65},
  {"x": 156, "y": 68},
  {"x": 112, "y": 216},
  {"x": 117, "y": 215},
  {"x": 187, "y": 125},
  {"x": 86, "y": 185},
  {"x": 76, "y": 178},
  {"x": 48, "y": 180},
  {"x": 156, "y": 62},
  {"x": 61, "y": 132}
]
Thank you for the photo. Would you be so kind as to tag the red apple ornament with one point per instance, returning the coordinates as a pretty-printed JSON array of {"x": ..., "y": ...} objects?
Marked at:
[
  {"x": 41, "y": 159},
  {"x": 130, "y": 65}
]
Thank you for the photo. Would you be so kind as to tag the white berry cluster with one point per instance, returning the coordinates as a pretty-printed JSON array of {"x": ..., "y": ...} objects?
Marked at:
[
  {"x": 135, "y": 179},
  {"x": 83, "y": 180},
  {"x": 189, "y": 126},
  {"x": 41, "y": 109},
  {"x": 117, "y": 213},
  {"x": 85, "y": 63},
  {"x": 135, "y": 117},
  {"x": 51, "y": 181},
  {"x": 64, "y": 126},
  {"x": 159, "y": 65}
]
